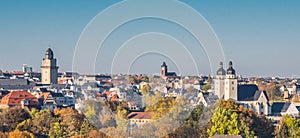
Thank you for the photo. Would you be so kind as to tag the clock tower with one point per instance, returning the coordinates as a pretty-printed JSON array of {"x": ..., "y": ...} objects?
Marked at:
[{"x": 49, "y": 68}]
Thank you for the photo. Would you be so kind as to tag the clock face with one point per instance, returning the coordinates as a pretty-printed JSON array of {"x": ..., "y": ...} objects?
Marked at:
[{"x": 162, "y": 68}]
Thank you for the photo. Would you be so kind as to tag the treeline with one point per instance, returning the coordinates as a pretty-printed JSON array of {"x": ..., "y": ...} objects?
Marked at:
[
  {"x": 101, "y": 119},
  {"x": 23, "y": 123}
]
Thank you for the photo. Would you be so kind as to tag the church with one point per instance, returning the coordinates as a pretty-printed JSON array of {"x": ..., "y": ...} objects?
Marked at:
[
  {"x": 227, "y": 88},
  {"x": 173, "y": 80},
  {"x": 165, "y": 73}
]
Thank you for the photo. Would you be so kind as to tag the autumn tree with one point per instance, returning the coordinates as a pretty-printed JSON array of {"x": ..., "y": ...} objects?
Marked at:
[
  {"x": 97, "y": 134},
  {"x": 206, "y": 87},
  {"x": 70, "y": 123},
  {"x": 40, "y": 123},
  {"x": 11, "y": 117},
  {"x": 161, "y": 108},
  {"x": 273, "y": 92},
  {"x": 145, "y": 89},
  {"x": 191, "y": 127},
  {"x": 20, "y": 134}
]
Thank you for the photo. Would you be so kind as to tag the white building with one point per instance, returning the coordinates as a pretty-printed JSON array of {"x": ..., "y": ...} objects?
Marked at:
[
  {"x": 227, "y": 88},
  {"x": 220, "y": 82},
  {"x": 138, "y": 119}
]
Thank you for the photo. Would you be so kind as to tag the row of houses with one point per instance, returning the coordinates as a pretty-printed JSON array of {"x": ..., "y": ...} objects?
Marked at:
[{"x": 39, "y": 100}]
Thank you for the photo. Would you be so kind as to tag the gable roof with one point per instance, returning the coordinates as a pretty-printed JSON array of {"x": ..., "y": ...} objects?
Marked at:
[
  {"x": 91, "y": 84},
  {"x": 278, "y": 107},
  {"x": 247, "y": 92},
  {"x": 298, "y": 107},
  {"x": 15, "y": 98},
  {"x": 139, "y": 115},
  {"x": 258, "y": 93}
]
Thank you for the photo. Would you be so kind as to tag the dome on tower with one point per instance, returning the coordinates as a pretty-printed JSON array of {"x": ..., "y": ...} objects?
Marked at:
[
  {"x": 164, "y": 64},
  {"x": 221, "y": 70},
  {"x": 230, "y": 70},
  {"x": 49, "y": 53},
  {"x": 49, "y": 50}
]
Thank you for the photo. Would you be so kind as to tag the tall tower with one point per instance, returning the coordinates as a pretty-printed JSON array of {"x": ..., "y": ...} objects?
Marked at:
[
  {"x": 231, "y": 84},
  {"x": 49, "y": 68},
  {"x": 164, "y": 69},
  {"x": 219, "y": 82}
]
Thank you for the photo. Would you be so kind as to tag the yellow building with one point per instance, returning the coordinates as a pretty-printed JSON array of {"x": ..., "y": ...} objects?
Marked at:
[{"x": 49, "y": 68}]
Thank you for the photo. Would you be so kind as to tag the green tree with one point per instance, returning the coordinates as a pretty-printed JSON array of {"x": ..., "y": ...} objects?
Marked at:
[
  {"x": 289, "y": 127},
  {"x": 260, "y": 125},
  {"x": 232, "y": 119},
  {"x": 224, "y": 121}
]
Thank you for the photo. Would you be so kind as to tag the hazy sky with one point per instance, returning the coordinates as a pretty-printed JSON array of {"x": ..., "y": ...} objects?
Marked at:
[{"x": 261, "y": 37}]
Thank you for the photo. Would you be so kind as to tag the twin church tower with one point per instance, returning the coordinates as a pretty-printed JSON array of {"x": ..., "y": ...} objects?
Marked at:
[
  {"x": 49, "y": 68},
  {"x": 226, "y": 85}
]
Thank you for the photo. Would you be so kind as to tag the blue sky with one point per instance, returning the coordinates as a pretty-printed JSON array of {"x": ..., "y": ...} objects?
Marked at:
[{"x": 261, "y": 37}]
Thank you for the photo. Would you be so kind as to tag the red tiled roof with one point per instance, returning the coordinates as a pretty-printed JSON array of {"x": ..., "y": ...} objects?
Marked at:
[
  {"x": 114, "y": 97},
  {"x": 107, "y": 93},
  {"x": 15, "y": 98},
  {"x": 16, "y": 73},
  {"x": 132, "y": 103},
  {"x": 139, "y": 115}
]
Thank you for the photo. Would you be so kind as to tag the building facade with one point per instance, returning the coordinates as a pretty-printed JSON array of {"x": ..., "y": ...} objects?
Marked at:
[
  {"x": 220, "y": 82},
  {"x": 249, "y": 96},
  {"x": 49, "y": 68},
  {"x": 226, "y": 83},
  {"x": 230, "y": 84}
]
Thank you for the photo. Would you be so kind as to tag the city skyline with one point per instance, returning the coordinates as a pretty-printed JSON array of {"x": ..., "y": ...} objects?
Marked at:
[{"x": 260, "y": 39}]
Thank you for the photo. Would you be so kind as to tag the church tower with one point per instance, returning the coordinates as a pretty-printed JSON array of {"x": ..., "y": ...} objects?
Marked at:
[
  {"x": 49, "y": 68},
  {"x": 219, "y": 82},
  {"x": 164, "y": 69},
  {"x": 231, "y": 84}
]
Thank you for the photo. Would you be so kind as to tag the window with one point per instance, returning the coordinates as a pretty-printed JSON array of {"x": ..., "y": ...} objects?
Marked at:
[
  {"x": 232, "y": 88},
  {"x": 233, "y": 82}
]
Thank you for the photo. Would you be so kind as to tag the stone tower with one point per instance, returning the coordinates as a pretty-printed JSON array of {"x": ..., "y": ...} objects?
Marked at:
[
  {"x": 164, "y": 69},
  {"x": 49, "y": 68},
  {"x": 231, "y": 84},
  {"x": 219, "y": 82}
]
